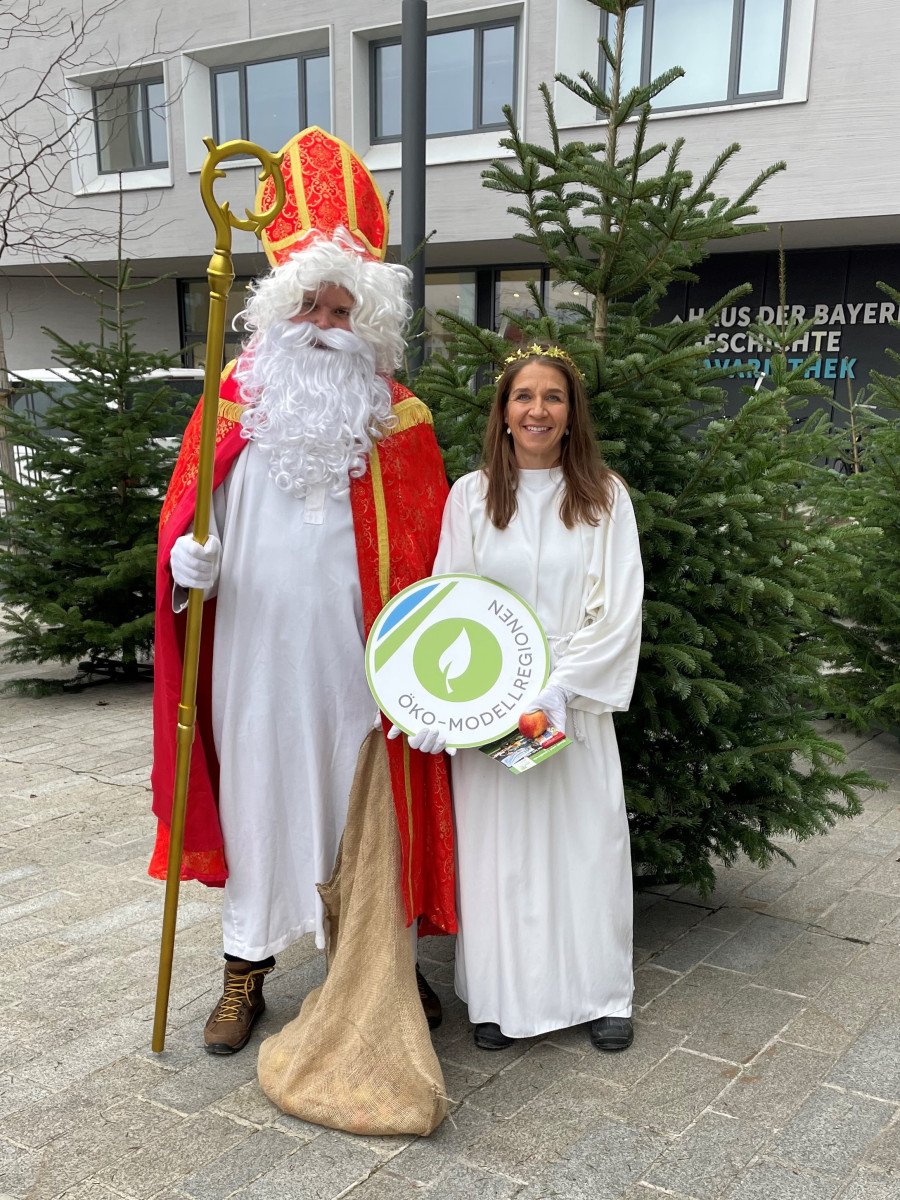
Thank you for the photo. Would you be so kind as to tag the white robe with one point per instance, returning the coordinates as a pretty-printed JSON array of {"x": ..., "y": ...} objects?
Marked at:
[
  {"x": 290, "y": 704},
  {"x": 544, "y": 890}
]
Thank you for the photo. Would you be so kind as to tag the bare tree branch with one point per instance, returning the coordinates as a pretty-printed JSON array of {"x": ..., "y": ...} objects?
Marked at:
[{"x": 44, "y": 44}]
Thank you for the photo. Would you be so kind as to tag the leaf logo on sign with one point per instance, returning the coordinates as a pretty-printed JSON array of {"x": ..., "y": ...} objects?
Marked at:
[{"x": 455, "y": 660}]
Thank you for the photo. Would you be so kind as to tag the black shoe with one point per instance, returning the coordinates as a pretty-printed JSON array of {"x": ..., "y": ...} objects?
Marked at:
[
  {"x": 431, "y": 1004},
  {"x": 489, "y": 1036},
  {"x": 612, "y": 1033}
]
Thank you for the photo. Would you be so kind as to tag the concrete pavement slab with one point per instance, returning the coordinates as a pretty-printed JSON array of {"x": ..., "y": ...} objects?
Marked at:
[
  {"x": 523, "y": 1080},
  {"x": 652, "y": 1043},
  {"x": 115, "y": 1132},
  {"x": 651, "y": 981},
  {"x": 771, "y": 1087},
  {"x": 754, "y": 946},
  {"x": 326, "y": 1166},
  {"x": 688, "y": 1002},
  {"x": 696, "y": 945},
  {"x": 15, "y": 1093},
  {"x": 869, "y": 1186},
  {"x": 464, "y": 1181},
  {"x": 204, "y": 1082},
  {"x": 92, "y": 1189},
  {"x": 872, "y": 1064},
  {"x": 806, "y": 901},
  {"x": 708, "y": 1157},
  {"x": 747, "y": 1022},
  {"x": 885, "y": 878},
  {"x": 809, "y": 964},
  {"x": 884, "y": 1153},
  {"x": 767, "y": 1180},
  {"x": 675, "y": 1092},
  {"x": 538, "y": 1134},
  {"x": 76, "y": 1110},
  {"x": 248, "y": 1103},
  {"x": 658, "y": 926},
  {"x": 384, "y": 1185},
  {"x": 849, "y": 1002},
  {"x": 729, "y": 919},
  {"x": 18, "y": 1170},
  {"x": 861, "y": 915},
  {"x": 148, "y": 1166},
  {"x": 600, "y": 1165},
  {"x": 831, "y": 1131},
  {"x": 244, "y": 1163},
  {"x": 844, "y": 870}
]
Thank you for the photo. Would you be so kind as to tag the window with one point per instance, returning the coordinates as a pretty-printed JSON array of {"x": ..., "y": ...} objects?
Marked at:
[
  {"x": 130, "y": 124},
  {"x": 564, "y": 292},
  {"x": 452, "y": 291},
  {"x": 471, "y": 74},
  {"x": 194, "y": 318},
  {"x": 490, "y": 295},
  {"x": 513, "y": 295},
  {"x": 731, "y": 50},
  {"x": 269, "y": 102}
]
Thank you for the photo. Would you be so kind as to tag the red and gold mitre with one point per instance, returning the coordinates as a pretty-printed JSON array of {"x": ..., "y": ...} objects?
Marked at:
[{"x": 326, "y": 185}]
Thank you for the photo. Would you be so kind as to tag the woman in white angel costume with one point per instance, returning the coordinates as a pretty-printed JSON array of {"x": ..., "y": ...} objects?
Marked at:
[{"x": 543, "y": 859}]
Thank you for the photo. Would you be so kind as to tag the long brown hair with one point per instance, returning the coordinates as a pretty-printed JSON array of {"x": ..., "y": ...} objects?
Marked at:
[{"x": 589, "y": 488}]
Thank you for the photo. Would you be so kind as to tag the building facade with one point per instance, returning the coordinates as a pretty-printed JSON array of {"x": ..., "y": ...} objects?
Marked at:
[{"x": 808, "y": 81}]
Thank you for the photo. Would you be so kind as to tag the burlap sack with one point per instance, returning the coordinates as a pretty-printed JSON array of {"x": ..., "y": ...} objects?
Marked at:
[{"x": 358, "y": 1056}]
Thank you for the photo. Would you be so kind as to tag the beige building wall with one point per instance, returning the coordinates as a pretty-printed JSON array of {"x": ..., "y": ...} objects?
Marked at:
[
  {"x": 835, "y": 127},
  {"x": 30, "y": 304}
]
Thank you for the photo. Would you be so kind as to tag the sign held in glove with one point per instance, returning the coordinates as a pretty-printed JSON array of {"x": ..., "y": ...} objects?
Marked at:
[{"x": 458, "y": 654}]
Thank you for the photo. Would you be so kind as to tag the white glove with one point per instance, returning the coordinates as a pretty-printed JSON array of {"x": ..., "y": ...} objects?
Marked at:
[
  {"x": 193, "y": 565},
  {"x": 552, "y": 702},
  {"x": 428, "y": 739}
]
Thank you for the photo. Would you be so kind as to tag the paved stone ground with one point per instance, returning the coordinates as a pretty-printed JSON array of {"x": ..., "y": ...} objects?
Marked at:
[{"x": 766, "y": 1064}]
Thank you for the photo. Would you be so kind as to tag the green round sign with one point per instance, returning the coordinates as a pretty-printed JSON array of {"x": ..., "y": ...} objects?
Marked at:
[
  {"x": 458, "y": 652},
  {"x": 458, "y": 659}
]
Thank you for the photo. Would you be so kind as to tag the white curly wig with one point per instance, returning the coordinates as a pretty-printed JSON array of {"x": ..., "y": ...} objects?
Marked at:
[{"x": 380, "y": 314}]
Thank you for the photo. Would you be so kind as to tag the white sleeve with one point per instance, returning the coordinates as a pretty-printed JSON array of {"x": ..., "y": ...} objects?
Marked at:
[
  {"x": 600, "y": 663},
  {"x": 456, "y": 549},
  {"x": 216, "y": 522}
]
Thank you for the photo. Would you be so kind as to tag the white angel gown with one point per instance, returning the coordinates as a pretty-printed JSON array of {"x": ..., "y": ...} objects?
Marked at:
[
  {"x": 290, "y": 701},
  {"x": 544, "y": 890}
]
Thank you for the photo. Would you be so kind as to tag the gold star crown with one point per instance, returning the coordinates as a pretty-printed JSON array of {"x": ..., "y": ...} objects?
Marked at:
[{"x": 536, "y": 351}]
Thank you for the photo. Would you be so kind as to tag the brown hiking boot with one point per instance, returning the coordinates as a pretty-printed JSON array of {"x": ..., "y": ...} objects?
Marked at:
[{"x": 231, "y": 1021}]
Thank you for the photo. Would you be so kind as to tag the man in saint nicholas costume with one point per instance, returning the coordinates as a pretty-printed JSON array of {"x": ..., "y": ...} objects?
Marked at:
[{"x": 328, "y": 494}]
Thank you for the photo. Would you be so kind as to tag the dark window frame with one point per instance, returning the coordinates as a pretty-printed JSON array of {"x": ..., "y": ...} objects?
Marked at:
[
  {"x": 478, "y": 81},
  {"x": 735, "y": 96},
  {"x": 492, "y": 311},
  {"x": 301, "y": 58},
  {"x": 144, "y": 110},
  {"x": 190, "y": 338}
]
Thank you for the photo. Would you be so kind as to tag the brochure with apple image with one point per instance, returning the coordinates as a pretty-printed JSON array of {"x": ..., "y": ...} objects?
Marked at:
[{"x": 519, "y": 753}]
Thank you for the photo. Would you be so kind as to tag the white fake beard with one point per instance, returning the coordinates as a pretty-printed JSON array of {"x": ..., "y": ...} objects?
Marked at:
[{"x": 315, "y": 404}]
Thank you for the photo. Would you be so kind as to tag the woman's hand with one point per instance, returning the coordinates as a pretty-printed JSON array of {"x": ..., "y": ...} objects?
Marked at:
[
  {"x": 552, "y": 702},
  {"x": 428, "y": 739}
]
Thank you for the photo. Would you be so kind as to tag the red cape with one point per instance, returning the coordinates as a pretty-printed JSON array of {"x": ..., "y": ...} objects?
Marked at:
[{"x": 397, "y": 507}]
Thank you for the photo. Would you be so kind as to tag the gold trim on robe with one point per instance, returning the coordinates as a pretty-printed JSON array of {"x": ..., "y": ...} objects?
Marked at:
[
  {"x": 231, "y": 410},
  {"x": 384, "y": 553},
  {"x": 410, "y": 412}
]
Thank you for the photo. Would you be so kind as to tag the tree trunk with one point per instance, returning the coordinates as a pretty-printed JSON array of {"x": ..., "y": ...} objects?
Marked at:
[{"x": 7, "y": 455}]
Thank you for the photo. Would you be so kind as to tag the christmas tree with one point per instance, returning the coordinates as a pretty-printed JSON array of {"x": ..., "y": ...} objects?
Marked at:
[
  {"x": 867, "y": 633},
  {"x": 719, "y": 750},
  {"x": 78, "y": 538}
]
